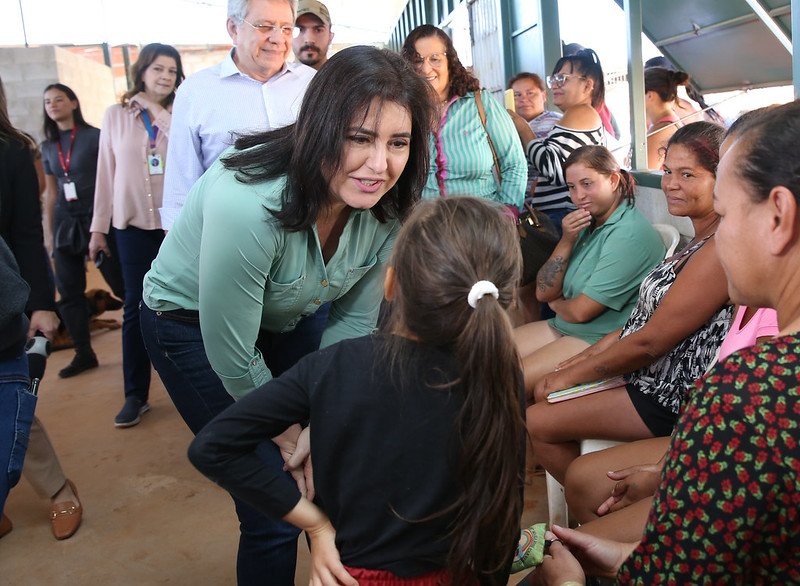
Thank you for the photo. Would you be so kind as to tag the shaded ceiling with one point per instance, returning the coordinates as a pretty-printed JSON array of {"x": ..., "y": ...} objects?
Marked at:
[{"x": 722, "y": 44}]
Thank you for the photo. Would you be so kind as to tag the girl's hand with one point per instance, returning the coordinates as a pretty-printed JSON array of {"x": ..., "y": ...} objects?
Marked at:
[
  {"x": 295, "y": 448},
  {"x": 326, "y": 566},
  {"x": 633, "y": 484},
  {"x": 559, "y": 566},
  {"x": 597, "y": 556}
]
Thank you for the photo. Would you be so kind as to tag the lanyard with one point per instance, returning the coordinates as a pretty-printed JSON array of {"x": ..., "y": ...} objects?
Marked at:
[
  {"x": 65, "y": 163},
  {"x": 152, "y": 131}
]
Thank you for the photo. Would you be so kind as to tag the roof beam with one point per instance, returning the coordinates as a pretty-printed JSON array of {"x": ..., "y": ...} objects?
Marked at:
[
  {"x": 697, "y": 30},
  {"x": 770, "y": 23}
]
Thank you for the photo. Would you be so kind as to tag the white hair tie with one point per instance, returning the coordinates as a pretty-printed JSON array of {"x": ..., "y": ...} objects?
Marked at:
[{"x": 480, "y": 289}]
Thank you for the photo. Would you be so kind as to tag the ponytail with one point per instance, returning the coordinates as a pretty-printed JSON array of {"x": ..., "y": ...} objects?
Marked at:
[{"x": 442, "y": 251}]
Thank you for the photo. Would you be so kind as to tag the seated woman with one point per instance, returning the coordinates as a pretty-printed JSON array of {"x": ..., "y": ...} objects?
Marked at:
[
  {"x": 670, "y": 338},
  {"x": 591, "y": 280},
  {"x": 728, "y": 495},
  {"x": 661, "y": 94},
  {"x": 417, "y": 431}
]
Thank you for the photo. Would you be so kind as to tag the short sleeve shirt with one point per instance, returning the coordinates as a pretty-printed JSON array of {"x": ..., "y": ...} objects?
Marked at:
[
  {"x": 82, "y": 168},
  {"x": 608, "y": 264}
]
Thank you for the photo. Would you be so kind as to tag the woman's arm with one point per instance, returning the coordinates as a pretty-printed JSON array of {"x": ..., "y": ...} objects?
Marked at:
[
  {"x": 550, "y": 278},
  {"x": 104, "y": 182},
  {"x": 513, "y": 166},
  {"x": 698, "y": 292},
  {"x": 237, "y": 250}
]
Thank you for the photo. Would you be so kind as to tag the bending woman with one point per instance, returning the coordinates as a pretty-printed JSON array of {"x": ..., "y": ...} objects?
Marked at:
[
  {"x": 404, "y": 510},
  {"x": 462, "y": 161},
  {"x": 670, "y": 338},
  {"x": 130, "y": 183},
  {"x": 591, "y": 281},
  {"x": 286, "y": 222}
]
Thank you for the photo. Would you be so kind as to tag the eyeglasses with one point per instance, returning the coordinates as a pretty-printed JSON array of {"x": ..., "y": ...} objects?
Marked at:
[
  {"x": 436, "y": 60},
  {"x": 530, "y": 94},
  {"x": 559, "y": 79},
  {"x": 268, "y": 29}
]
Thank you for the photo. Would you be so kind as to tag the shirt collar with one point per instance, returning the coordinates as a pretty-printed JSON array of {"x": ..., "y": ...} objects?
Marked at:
[
  {"x": 228, "y": 68},
  {"x": 621, "y": 210}
]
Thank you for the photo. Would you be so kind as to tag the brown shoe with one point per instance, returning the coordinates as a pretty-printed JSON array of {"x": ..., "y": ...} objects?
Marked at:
[
  {"x": 66, "y": 516},
  {"x": 5, "y": 526}
]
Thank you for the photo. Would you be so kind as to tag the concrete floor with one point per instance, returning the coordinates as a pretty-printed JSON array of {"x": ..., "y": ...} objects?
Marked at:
[{"x": 149, "y": 517}]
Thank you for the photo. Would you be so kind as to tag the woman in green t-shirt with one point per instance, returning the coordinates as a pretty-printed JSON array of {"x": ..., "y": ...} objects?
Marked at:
[{"x": 591, "y": 281}]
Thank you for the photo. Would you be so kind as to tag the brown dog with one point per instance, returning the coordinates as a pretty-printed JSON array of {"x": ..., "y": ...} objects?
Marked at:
[{"x": 99, "y": 301}]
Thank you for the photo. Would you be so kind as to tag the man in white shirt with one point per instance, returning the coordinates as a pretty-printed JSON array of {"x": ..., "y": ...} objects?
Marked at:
[
  {"x": 313, "y": 33},
  {"x": 253, "y": 89}
]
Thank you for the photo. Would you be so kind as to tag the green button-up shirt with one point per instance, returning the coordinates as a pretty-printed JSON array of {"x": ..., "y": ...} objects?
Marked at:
[{"x": 228, "y": 258}]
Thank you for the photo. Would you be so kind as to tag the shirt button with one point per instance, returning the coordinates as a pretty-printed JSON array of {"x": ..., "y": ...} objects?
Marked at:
[
  {"x": 317, "y": 302},
  {"x": 324, "y": 282},
  {"x": 254, "y": 362}
]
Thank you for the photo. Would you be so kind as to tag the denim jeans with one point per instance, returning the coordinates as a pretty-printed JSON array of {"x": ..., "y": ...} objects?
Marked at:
[
  {"x": 16, "y": 413},
  {"x": 136, "y": 250},
  {"x": 267, "y": 548}
]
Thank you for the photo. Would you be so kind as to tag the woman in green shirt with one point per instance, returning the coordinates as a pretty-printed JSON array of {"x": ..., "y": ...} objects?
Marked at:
[
  {"x": 288, "y": 221},
  {"x": 591, "y": 281}
]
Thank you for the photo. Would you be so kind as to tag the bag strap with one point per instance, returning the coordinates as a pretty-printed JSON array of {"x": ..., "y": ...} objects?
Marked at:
[{"x": 482, "y": 114}]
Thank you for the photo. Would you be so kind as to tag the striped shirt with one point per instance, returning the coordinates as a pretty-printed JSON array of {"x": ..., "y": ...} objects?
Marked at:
[
  {"x": 460, "y": 153},
  {"x": 213, "y": 106},
  {"x": 548, "y": 156}
]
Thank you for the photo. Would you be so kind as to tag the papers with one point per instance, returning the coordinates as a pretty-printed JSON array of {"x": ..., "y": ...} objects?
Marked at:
[{"x": 585, "y": 389}]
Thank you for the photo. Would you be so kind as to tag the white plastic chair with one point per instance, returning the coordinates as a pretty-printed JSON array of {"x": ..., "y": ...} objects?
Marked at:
[{"x": 670, "y": 236}]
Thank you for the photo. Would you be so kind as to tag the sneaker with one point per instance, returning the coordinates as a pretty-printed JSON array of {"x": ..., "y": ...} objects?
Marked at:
[
  {"x": 530, "y": 550},
  {"x": 131, "y": 412},
  {"x": 80, "y": 363}
]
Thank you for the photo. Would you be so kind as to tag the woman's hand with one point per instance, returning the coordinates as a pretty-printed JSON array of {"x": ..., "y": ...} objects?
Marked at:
[
  {"x": 601, "y": 345},
  {"x": 141, "y": 102},
  {"x": 597, "y": 556},
  {"x": 326, "y": 566},
  {"x": 97, "y": 243},
  {"x": 555, "y": 381},
  {"x": 633, "y": 484},
  {"x": 559, "y": 565},
  {"x": 573, "y": 223}
]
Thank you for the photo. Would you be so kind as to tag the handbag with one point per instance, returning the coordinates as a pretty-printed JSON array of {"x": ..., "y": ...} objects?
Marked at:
[
  {"x": 72, "y": 235},
  {"x": 538, "y": 234}
]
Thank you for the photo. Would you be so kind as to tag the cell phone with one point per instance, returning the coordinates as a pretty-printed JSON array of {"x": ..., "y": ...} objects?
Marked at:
[{"x": 99, "y": 259}]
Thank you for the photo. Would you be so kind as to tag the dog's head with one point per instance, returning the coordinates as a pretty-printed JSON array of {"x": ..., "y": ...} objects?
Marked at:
[{"x": 101, "y": 300}]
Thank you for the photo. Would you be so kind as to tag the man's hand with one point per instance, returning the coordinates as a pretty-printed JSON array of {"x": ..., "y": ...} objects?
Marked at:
[
  {"x": 45, "y": 322},
  {"x": 633, "y": 484}
]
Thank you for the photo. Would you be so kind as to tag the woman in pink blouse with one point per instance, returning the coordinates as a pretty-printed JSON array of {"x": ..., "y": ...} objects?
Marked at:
[{"x": 130, "y": 180}]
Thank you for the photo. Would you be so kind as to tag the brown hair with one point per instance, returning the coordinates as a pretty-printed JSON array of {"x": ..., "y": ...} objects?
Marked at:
[
  {"x": 461, "y": 80},
  {"x": 664, "y": 82},
  {"x": 444, "y": 248},
  {"x": 600, "y": 159},
  {"x": 147, "y": 55},
  {"x": 703, "y": 139},
  {"x": 526, "y": 75},
  {"x": 7, "y": 130}
]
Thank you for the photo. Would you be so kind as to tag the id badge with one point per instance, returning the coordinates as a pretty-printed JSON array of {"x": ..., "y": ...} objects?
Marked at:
[
  {"x": 155, "y": 165},
  {"x": 70, "y": 192}
]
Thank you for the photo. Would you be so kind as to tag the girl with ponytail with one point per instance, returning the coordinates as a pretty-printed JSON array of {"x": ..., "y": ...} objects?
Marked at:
[
  {"x": 661, "y": 96},
  {"x": 418, "y": 430},
  {"x": 591, "y": 281}
]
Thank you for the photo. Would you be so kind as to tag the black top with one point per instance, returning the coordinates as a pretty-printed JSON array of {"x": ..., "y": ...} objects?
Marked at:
[
  {"x": 384, "y": 453},
  {"x": 21, "y": 222},
  {"x": 82, "y": 168},
  {"x": 13, "y": 295}
]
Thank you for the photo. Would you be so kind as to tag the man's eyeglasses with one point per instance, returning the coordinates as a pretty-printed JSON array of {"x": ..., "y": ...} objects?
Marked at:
[
  {"x": 435, "y": 60},
  {"x": 530, "y": 94},
  {"x": 559, "y": 79},
  {"x": 268, "y": 29}
]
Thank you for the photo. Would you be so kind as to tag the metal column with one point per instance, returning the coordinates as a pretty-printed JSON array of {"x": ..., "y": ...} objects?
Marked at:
[{"x": 633, "y": 14}]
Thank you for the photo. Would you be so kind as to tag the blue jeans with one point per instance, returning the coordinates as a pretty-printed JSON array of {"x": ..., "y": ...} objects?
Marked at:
[
  {"x": 136, "y": 249},
  {"x": 16, "y": 413},
  {"x": 267, "y": 548}
]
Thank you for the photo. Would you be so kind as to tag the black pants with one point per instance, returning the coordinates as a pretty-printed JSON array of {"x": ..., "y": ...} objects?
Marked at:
[{"x": 71, "y": 283}]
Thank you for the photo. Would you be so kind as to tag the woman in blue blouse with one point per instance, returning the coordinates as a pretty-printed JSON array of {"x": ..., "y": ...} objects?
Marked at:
[
  {"x": 288, "y": 221},
  {"x": 461, "y": 158}
]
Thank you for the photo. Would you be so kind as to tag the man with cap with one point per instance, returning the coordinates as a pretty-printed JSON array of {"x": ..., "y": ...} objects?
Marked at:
[
  {"x": 313, "y": 33},
  {"x": 253, "y": 89}
]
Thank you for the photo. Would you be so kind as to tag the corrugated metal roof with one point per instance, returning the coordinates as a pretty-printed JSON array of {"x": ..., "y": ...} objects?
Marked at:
[{"x": 722, "y": 44}]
